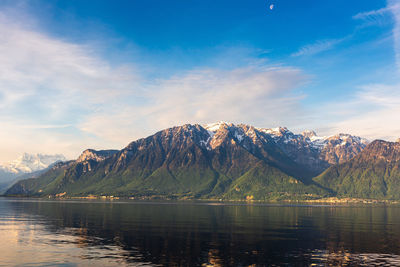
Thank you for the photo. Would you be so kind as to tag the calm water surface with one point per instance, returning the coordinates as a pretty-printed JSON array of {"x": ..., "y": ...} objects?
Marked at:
[{"x": 95, "y": 233}]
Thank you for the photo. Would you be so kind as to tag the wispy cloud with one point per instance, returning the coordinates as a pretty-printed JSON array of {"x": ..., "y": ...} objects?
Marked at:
[
  {"x": 318, "y": 47},
  {"x": 383, "y": 16},
  {"x": 372, "y": 113},
  {"x": 395, "y": 9},
  {"x": 373, "y": 16}
]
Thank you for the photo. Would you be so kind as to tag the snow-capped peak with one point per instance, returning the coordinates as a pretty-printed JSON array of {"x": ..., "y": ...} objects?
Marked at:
[
  {"x": 213, "y": 127},
  {"x": 27, "y": 163}
]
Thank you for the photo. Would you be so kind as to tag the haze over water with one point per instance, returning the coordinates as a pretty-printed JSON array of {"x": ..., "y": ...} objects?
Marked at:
[{"x": 128, "y": 233}]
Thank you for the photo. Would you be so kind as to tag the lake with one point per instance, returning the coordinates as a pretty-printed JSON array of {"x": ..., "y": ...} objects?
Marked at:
[{"x": 133, "y": 233}]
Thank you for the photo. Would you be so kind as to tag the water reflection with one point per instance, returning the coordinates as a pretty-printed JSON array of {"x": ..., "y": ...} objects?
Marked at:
[{"x": 70, "y": 233}]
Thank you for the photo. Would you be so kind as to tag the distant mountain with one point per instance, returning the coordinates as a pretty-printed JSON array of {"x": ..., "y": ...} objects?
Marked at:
[
  {"x": 6, "y": 179},
  {"x": 27, "y": 165},
  {"x": 219, "y": 160},
  {"x": 30, "y": 162},
  {"x": 374, "y": 173}
]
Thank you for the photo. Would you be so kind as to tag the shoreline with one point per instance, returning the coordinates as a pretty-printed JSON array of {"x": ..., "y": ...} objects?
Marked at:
[{"x": 323, "y": 201}]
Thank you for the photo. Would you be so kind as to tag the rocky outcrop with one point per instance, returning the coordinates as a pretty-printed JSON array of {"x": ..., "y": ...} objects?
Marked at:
[{"x": 95, "y": 155}]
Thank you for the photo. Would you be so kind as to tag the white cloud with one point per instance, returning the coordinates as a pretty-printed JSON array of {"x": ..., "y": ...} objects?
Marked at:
[
  {"x": 317, "y": 47},
  {"x": 33, "y": 63},
  {"x": 235, "y": 95}
]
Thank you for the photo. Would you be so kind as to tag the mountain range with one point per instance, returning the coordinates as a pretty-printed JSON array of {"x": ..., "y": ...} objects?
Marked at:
[
  {"x": 227, "y": 161},
  {"x": 27, "y": 165}
]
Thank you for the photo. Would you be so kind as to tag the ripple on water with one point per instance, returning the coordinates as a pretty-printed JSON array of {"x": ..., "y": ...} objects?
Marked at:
[{"x": 326, "y": 258}]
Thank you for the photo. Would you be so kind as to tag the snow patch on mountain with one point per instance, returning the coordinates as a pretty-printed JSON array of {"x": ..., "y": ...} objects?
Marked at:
[{"x": 239, "y": 136}]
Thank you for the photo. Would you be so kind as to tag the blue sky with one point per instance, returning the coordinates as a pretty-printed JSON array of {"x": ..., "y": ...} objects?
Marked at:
[{"x": 95, "y": 73}]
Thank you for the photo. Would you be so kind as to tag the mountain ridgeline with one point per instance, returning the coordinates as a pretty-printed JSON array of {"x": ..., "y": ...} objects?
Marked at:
[{"x": 227, "y": 161}]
